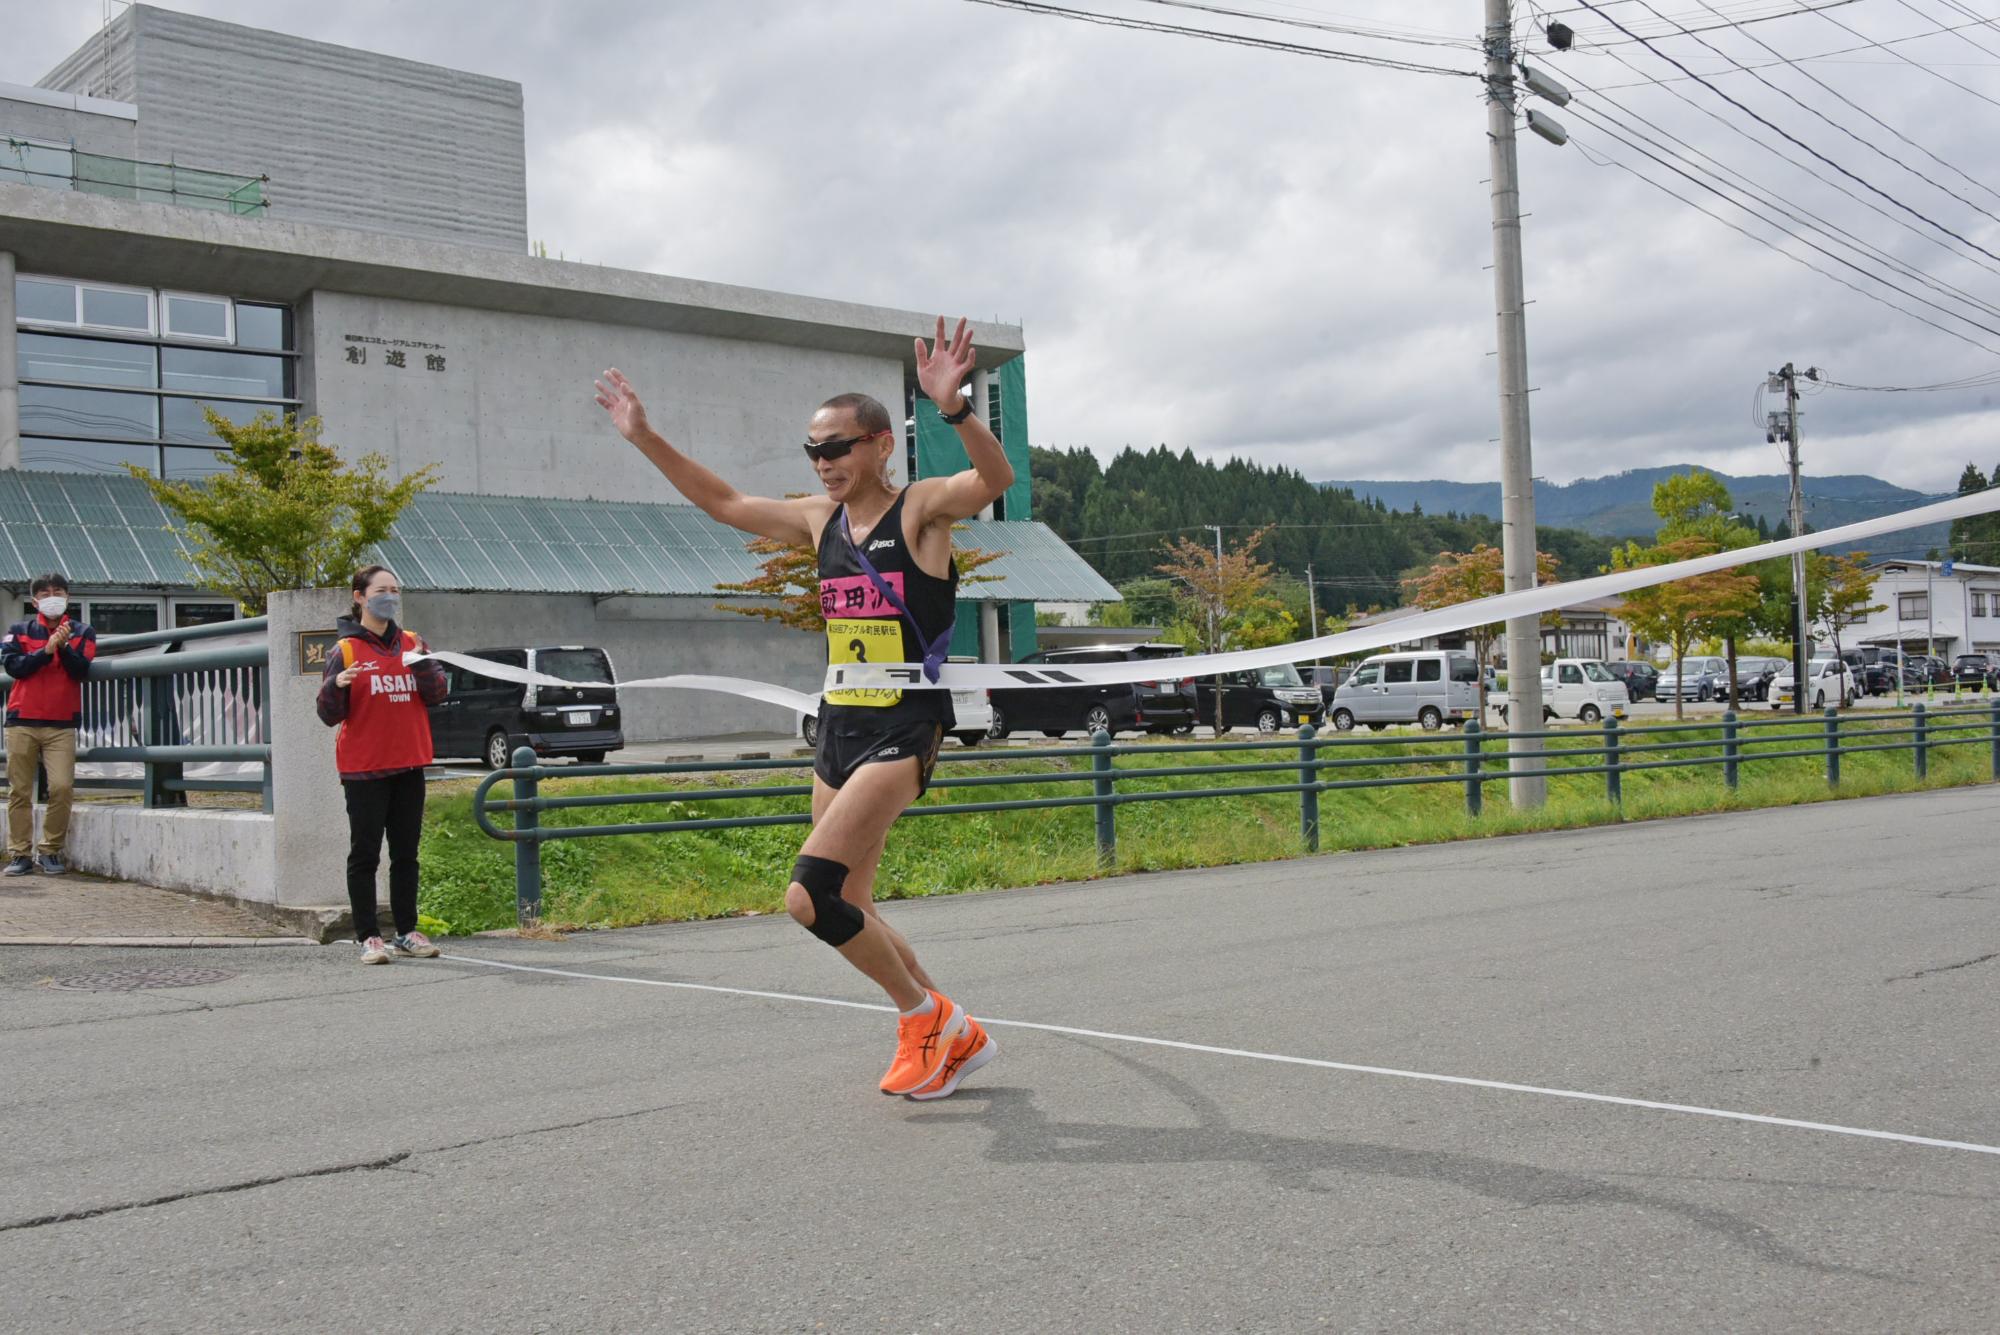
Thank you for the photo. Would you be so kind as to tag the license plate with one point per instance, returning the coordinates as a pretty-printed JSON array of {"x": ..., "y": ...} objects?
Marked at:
[{"x": 579, "y": 718}]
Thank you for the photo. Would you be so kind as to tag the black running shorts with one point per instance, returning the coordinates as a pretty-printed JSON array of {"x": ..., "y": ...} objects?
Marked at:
[{"x": 846, "y": 744}]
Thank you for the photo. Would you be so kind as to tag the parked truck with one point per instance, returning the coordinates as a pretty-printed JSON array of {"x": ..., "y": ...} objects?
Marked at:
[{"x": 1582, "y": 689}]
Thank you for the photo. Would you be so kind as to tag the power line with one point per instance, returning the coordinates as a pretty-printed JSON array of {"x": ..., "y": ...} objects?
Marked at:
[
  {"x": 1978, "y": 381},
  {"x": 1889, "y": 47},
  {"x": 1818, "y": 82},
  {"x": 1762, "y": 241},
  {"x": 1631, "y": 37},
  {"x": 1818, "y": 223},
  {"x": 1873, "y": 148},
  {"x": 1226, "y": 38},
  {"x": 1344, "y": 29},
  {"x": 1592, "y": 119},
  {"x": 1968, "y": 11},
  {"x": 1867, "y": 44},
  {"x": 1806, "y": 167},
  {"x": 1788, "y": 135}
]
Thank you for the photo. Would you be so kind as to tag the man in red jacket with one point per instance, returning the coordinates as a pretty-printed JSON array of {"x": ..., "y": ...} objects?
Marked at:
[{"x": 48, "y": 657}]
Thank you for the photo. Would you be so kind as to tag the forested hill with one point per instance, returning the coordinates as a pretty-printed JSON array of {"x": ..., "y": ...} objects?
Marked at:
[{"x": 1119, "y": 517}]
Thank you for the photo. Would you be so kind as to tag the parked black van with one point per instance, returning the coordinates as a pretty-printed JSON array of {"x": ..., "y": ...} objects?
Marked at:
[
  {"x": 1164, "y": 705},
  {"x": 488, "y": 718},
  {"x": 1267, "y": 699}
]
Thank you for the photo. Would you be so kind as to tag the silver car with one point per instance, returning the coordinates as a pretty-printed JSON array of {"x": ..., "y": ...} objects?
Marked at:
[{"x": 1694, "y": 679}]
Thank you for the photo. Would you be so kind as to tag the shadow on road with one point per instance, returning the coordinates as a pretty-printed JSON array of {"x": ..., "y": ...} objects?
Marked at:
[{"x": 1024, "y": 1134}]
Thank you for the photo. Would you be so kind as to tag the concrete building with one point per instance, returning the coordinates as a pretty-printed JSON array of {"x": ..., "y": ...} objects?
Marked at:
[
  {"x": 1931, "y": 607},
  {"x": 195, "y": 214}
]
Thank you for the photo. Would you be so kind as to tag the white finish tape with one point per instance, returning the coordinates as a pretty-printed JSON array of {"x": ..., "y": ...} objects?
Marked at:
[{"x": 1440, "y": 621}]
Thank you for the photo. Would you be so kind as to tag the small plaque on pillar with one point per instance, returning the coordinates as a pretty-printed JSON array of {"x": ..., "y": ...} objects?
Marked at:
[{"x": 315, "y": 648}]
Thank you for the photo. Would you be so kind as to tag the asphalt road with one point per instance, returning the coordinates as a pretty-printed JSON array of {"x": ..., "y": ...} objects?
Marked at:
[{"x": 444, "y": 1146}]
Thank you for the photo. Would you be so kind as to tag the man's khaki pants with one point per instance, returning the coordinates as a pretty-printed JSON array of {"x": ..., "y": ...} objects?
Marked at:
[{"x": 54, "y": 749}]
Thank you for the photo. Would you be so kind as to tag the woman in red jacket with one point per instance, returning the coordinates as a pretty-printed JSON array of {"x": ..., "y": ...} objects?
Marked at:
[{"x": 379, "y": 704}]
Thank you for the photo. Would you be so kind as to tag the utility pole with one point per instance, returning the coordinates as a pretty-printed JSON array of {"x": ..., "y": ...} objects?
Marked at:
[
  {"x": 1312, "y": 608},
  {"x": 1788, "y": 379},
  {"x": 1214, "y": 643},
  {"x": 1517, "y": 482}
]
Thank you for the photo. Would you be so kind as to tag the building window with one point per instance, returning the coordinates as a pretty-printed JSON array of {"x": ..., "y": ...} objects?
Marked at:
[
  {"x": 209, "y": 319},
  {"x": 1913, "y": 606},
  {"x": 125, "y": 395},
  {"x": 993, "y": 408},
  {"x": 59, "y": 301},
  {"x": 118, "y": 617},
  {"x": 188, "y": 614},
  {"x": 1978, "y": 603}
]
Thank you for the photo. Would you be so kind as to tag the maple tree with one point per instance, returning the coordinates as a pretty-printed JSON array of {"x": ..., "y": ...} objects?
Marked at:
[
  {"x": 788, "y": 580},
  {"x": 1684, "y": 610},
  {"x": 1462, "y": 577}
]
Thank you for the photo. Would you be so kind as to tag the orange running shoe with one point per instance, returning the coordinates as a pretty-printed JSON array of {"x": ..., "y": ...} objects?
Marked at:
[
  {"x": 923, "y": 1045},
  {"x": 970, "y": 1053}
]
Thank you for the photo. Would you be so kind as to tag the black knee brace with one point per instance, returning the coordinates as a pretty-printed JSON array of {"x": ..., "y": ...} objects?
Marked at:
[{"x": 835, "y": 921}]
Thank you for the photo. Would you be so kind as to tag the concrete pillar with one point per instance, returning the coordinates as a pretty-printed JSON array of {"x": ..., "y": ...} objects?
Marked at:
[
  {"x": 311, "y": 814},
  {"x": 10, "y": 369}
]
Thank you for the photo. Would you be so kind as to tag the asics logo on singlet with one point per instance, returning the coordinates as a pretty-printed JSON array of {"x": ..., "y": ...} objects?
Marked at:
[
  {"x": 890, "y": 751},
  {"x": 880, "y": 543}
]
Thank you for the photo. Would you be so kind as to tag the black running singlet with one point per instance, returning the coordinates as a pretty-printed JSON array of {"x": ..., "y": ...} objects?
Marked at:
[{"x": 862, "y": 626}]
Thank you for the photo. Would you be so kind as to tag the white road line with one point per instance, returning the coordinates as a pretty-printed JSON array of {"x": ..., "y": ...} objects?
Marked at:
[{"x": 1930, "y": 1142}]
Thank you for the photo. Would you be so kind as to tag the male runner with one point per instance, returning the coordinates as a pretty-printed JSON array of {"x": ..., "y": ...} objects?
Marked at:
[{"x": 887, "y": 587}]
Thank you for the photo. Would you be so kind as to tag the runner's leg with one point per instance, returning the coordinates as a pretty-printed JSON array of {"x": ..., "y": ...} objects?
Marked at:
[
  {"x": 860, "y": 888},
  {"x": 856, "y": 822}
]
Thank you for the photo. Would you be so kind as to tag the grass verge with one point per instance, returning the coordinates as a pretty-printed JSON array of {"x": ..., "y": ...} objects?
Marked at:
[{"x": 627, "y": 880}]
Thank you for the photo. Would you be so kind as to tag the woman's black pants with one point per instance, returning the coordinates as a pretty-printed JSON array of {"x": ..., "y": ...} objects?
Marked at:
[{"x": 392, "y": 806}]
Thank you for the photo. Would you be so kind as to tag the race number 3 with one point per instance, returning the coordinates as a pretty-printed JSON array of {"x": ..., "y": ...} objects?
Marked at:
[{"x": 864, "y": 640}]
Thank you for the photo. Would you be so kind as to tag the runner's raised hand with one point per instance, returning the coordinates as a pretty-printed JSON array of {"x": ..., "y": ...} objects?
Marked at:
[
  {"x": 617, "y": 397},
  {"x": 943, "y": 367}
]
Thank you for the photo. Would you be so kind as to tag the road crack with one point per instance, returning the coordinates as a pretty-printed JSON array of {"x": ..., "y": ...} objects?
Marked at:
[
  {"x": 386, "y": 1162},
  {"x": 331, "y": 1170},
  {"x": 1943, "y": 968}
]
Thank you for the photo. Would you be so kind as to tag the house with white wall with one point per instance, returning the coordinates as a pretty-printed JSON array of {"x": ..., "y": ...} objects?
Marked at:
[{"x": 1940, "y": 607}]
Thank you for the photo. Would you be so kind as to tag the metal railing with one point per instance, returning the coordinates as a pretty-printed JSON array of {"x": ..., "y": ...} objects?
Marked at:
[
  {"x": 169, "y": 711},
  {"x": 61, "y": 167},
  {"x": 1322, "y": 764}
]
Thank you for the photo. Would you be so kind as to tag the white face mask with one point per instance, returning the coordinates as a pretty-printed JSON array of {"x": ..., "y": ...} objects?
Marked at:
[{"x": 52, "y": 606}]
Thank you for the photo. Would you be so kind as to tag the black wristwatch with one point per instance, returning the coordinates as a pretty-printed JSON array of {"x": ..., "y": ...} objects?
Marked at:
[{"x": 959, "y": 416}]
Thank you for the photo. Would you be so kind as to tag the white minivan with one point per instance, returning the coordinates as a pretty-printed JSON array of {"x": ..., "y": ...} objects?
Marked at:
[{"x": 1428, "y": 687}]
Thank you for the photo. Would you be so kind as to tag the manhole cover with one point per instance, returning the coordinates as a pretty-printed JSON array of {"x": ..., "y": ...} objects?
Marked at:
[{"x": 133, "y": 980}]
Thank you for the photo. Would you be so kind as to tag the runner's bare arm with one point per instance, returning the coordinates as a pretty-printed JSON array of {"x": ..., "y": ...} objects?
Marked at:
[
  {"x": 942, "y": 370},
  {"x": 789, "y": 521}
]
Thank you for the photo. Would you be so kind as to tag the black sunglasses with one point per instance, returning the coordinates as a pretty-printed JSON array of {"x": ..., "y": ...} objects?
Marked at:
[{"x": 836, "y": 449}]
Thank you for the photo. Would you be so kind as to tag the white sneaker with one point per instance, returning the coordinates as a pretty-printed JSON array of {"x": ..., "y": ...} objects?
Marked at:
[
  {"x": 375, "y": 951},
  {"x": 417, "y": 944}
]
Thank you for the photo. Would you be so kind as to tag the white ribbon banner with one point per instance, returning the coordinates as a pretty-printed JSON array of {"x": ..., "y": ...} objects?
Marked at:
[
  {"x": 781, "y": 696},
  {"x": 1440, "y": 621}
]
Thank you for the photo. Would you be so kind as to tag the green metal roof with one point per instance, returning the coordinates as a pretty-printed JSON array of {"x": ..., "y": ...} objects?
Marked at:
[{"x": 107, "y": 531}]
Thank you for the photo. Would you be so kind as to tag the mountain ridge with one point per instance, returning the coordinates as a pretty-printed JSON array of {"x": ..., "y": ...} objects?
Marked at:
[{"x": 1620, "y": 505}]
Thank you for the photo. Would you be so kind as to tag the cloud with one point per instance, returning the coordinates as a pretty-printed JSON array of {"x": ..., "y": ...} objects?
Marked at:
[{"x": 1241, "y": 252}]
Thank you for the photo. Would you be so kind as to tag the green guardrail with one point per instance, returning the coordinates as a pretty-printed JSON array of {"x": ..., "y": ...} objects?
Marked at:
[{"x": 1319, "y": 767}]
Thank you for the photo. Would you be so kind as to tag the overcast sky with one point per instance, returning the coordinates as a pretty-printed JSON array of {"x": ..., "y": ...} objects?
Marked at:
[{"x": 1263, "y": 254}]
